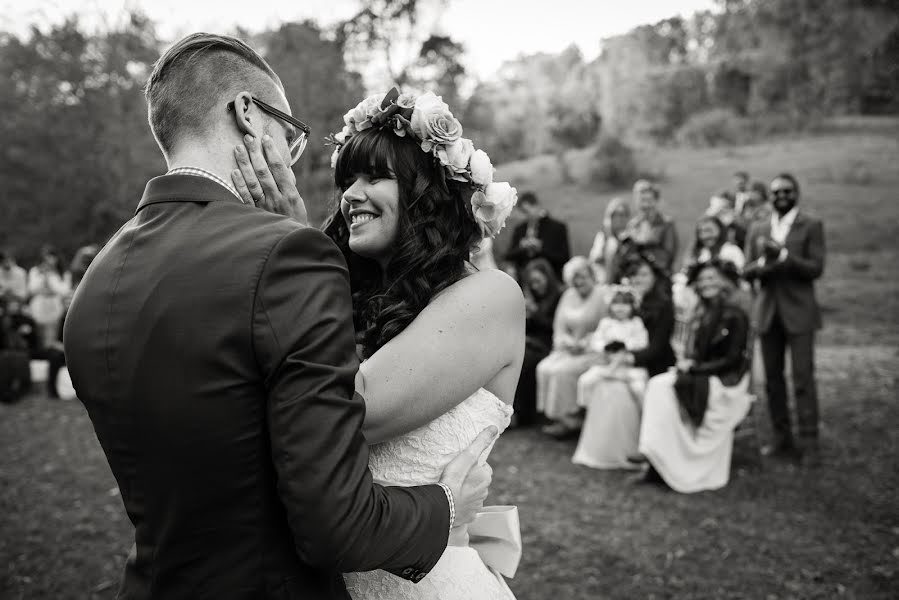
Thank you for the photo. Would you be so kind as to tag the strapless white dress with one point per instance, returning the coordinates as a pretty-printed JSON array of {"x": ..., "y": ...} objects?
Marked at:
[{"x": 418, "y": 458}]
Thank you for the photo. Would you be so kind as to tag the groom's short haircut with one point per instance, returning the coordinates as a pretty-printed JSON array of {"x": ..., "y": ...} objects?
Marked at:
[{"x": 191, "y": 81}]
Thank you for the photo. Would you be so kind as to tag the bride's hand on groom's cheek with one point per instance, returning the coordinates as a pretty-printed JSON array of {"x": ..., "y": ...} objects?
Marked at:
[{"x": 264, "y": 179}]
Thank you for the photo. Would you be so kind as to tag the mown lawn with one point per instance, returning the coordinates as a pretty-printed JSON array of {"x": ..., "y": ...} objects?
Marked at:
[{"x": 774, "y": 533}]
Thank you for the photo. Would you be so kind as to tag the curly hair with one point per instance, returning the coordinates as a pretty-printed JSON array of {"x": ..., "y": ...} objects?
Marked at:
[{"x": 434, "y": 238}]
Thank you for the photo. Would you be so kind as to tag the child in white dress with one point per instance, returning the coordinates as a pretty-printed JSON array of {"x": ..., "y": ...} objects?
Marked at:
[{"x": 619, "y": 333}]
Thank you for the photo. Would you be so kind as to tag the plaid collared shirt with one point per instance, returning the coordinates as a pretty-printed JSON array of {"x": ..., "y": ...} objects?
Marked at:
[{"x": 197, "y": 171}]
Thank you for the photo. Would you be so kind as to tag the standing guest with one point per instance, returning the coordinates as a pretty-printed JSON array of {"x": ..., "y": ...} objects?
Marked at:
[
  {"x": 612, "y": 423},
  {"x": 541, "y": 294},
  {"x": 604, "y": 253},
  {"x": 712, "y": 242},
  {"x": 538, "y": 236},
  {"x": 756, "y": 206},
  {"x": 689, "y": 414},
  {"x": 723, "y": 206},
  {"x": 47, "y": 286},
  {"x": 786, "y": 256},
  {"x": 741, "y": 189},
  {"x": 13, "y": 278},
  {"x": 650, "y": 231},
  {"x": 577, "y": 316}
]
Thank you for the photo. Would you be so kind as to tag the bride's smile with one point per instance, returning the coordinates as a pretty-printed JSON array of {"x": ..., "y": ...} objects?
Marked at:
[{"x": 370, "y": 208}]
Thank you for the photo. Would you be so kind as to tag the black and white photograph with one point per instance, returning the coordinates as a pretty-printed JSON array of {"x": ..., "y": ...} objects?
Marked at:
[{"x": 449, "y": 300}]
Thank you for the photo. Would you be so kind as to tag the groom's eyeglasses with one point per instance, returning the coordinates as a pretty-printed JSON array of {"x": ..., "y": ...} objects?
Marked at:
[{"x": 297, "y": 145}]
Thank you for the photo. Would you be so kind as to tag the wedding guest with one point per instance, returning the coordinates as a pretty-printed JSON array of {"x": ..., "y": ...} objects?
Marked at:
[
  {"x": 786, "y": 255},
  {"x": 538, "y": 236},
  {"x": 47, "y": 286},
  {"x": 80, "y": 262},
  {"x": 711, "y": 241},
  {"x": 756, "y": 206},
  {"x": 689, "y": 414},
  {"x": 741, "y": 189},
  {"x": 650, "y": 230},
  {"x": 15, "y": 372},
  {"x": 27, "y": 332},
  {"x": 612, "y": 422},
  {"x": 577, "y": 316},
  {"x": 13, "y": 278},
  {"x": 604, "y": 253},
  {"x": 541, "y": 294},
  {"x": 622, "y": 331},
  {"x": 723, "y": 206}
]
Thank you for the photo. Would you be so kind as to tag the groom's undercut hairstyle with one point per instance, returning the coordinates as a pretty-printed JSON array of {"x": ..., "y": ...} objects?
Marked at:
[{"x": 194, "y": 80}]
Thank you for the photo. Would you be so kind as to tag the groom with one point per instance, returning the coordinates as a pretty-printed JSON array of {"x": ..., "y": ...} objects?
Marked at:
[{"x": 212, "y": 344}]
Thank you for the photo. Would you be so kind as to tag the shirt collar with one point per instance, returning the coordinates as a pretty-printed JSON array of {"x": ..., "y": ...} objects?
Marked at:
[
  {"x": 201, "y": 172},
  {"x": 787, "y": 220}
]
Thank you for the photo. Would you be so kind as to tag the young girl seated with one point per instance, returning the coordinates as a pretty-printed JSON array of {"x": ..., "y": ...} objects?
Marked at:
[{"x": 619, "y": 333}]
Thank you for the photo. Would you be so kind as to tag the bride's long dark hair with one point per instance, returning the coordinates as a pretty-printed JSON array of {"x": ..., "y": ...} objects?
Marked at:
[{"x": 435, "y": 234}]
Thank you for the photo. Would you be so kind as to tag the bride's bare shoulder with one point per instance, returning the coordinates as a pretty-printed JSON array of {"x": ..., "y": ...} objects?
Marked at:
[{"x": 490, "y": 288}]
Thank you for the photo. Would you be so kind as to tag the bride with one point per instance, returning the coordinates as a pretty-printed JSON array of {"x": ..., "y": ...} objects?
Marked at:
[{"x": 442, "y": 343}]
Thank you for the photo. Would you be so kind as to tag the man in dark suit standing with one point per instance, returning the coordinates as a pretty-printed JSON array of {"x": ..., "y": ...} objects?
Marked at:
[
  {"x": 212, "y": 344},
  {"x": 538, "y": 236},
  {"x": 786, "y": 255}
]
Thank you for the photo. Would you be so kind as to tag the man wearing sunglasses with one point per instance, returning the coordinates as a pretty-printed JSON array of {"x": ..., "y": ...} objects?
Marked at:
[
  {"x": 785, "y": 256},
  {"x": 212, "y": 342}
]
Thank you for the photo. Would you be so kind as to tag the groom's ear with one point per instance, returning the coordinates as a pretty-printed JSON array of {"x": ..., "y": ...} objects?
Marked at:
[{"x": 244, "y": 115}]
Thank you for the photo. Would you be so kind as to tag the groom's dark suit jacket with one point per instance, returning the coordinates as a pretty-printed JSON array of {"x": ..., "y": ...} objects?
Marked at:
[{"x": 212, "y": 344}]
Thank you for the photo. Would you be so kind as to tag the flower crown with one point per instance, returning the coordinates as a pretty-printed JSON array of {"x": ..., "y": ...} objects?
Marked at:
[{"x": 428, "y": 120}]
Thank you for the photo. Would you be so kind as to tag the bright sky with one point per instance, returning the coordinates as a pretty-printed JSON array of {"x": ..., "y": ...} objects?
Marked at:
[{"x": 492, "y": 31}]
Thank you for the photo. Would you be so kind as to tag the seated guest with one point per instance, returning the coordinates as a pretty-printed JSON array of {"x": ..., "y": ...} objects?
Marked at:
[
  {"x": 13, "y": 278},
  {"x": 689, "y": 414},
  {"x": 650, "y": 231},
  {"x": 603, "y": 254},
  {"x": 541, "y": 295},
  {"x": 712, "y": 242},
  {"x": 612, "y": 422},
  {"x": 538, "y": 236},
  {"x": 577, "y": 316},
  {"x": 23, "y": 332},
  {"x": 15, "y": 373}
]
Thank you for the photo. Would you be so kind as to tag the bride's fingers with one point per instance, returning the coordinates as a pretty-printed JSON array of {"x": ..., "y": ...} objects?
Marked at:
[
  {"x": 240, "y": 185},
  {"x": 270, "y": 191},
  {"x": 249, "y": 176}
]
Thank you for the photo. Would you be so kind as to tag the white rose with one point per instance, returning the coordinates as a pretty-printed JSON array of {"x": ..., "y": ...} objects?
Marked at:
[
  {"x": 433, "y": 122},
  {"x": 481, "y": 168},
  {"x": 360, "y": 116},
  {"x": 493, "y": 206},
  {"x": 456, "y": 155},
  {"x": 334, "y": 157}
]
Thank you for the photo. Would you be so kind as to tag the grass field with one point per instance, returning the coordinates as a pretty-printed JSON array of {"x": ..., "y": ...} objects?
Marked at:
[{"x": 774, "y": 533}]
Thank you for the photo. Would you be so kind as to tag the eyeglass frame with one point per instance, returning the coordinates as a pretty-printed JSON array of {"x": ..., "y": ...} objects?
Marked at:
[{"x": 302, "y": 138}]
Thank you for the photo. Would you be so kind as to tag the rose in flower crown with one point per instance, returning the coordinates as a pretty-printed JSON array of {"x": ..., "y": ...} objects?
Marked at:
[{"x": 428, "y": 120}]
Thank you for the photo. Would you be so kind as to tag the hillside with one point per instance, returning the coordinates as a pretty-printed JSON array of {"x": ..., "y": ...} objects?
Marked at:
[{"x": 849, "y": 173}]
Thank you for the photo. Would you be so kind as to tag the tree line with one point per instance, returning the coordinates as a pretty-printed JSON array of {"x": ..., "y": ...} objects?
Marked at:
[{"x": 78, "y": 148}]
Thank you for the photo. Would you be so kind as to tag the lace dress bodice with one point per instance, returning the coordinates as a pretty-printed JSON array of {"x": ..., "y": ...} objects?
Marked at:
[{"x": 418, "y": 458}]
